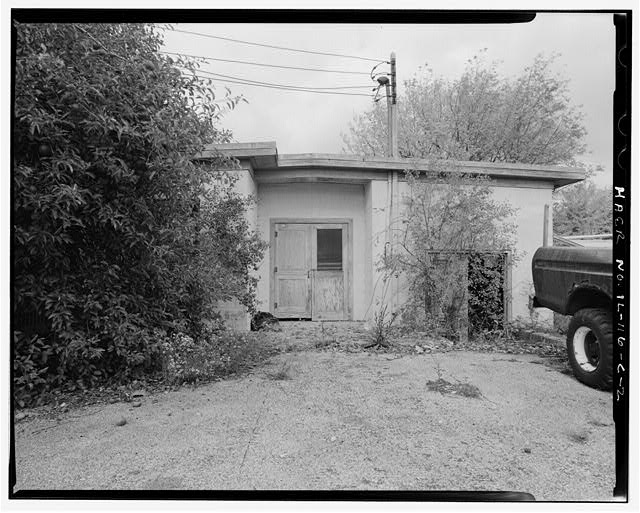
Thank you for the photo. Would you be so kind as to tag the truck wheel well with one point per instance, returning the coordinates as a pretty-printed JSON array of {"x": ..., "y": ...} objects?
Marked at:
[{"x": 587, "y": 297}]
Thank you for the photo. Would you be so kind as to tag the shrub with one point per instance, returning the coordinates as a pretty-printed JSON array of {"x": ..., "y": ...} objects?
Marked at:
[
  {"x": 187, "y": 360},
  {"x": 446, "y": 240},
  {"x": 30, "y": 365},
  {"x": 120, "y": 238},
  {"x": 486, "y": 280},
  {"x": 184, "y": 360}
]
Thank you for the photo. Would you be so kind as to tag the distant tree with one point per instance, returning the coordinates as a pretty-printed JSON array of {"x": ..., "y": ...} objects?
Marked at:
[
  {"x": 582, "y": 209},
  {"x": 480, "y": 116},
  {"x": 119, "y": 238}
]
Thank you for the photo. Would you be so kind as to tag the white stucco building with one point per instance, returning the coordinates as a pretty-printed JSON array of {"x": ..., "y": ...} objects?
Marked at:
[{"x": 325, "y": 218}]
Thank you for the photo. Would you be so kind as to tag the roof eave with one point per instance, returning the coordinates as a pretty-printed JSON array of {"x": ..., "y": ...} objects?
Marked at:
[
  {"x": 261, "y": 155},
  {"x": 559, "y": 176}
]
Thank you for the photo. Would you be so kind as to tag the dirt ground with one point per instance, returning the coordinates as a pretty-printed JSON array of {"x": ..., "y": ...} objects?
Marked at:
[{"x": 321, "y": 417}]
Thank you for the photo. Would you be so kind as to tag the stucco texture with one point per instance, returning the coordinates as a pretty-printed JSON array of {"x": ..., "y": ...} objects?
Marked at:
[
  {"x": 304, "y": 201},
  {"x": 365, "y": 205},
  {"x": 304, "y": 195},
  {"x": 529, "y": 199}
]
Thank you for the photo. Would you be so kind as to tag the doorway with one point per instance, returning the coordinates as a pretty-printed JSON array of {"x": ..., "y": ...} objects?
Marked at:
[{"x": 312, "y": 269}]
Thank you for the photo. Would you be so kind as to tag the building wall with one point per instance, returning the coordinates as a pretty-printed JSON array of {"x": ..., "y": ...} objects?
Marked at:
[
  {"x": 529, "y": 198},
  {"x": 377, "y": 234},
  {"x": 368, "y": 242},
  {"x": 306, "y": 191},
  {"x": 234, "y": 314},
  {"x": 315, "y": 200},
  {"x": 247, "y": 187},
  {"x": 367, "y": 206},
  {"x": 530, "y": 203}
]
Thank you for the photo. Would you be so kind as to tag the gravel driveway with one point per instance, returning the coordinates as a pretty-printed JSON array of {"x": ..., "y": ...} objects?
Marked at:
[{"x": 349, "y": 421}]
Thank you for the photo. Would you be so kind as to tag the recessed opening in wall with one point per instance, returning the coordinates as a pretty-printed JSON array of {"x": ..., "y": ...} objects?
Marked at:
[
  {"x": 329, "y": 245},
  {"x": 465, "y": 293},
  {"x": 486, "y": 275}
]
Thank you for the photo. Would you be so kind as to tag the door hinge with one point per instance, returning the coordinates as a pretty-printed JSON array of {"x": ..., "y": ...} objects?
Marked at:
[
  {"x": 275, "y": 235},
  {"x": 275, "y": 269},
  {"x": 275, "y": 305}
]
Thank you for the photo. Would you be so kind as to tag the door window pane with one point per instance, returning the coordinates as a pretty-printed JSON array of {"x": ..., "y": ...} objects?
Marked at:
[{"x": 330, "y": 249}]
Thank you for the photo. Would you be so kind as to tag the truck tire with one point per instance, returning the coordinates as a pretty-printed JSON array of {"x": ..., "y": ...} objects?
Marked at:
[{"x": 589, "y": 346}]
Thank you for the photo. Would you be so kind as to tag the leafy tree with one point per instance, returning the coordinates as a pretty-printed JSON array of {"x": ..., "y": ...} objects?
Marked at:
[
  {"x": 451, "y": 239},
  {"x": 480, "y": 116},
  {"x": 119, "y": 237},
  {"x": 453, "y": 232},
  {"x": 582, "y": 209}
]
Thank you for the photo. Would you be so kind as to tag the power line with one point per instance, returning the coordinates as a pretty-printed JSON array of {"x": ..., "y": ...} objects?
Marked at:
[
  {"x": 269, "y": 65},
  {"x": 275, "y": 47},
  {"x": 281, "y": 85},
  {"x": 285, "y": 88}
]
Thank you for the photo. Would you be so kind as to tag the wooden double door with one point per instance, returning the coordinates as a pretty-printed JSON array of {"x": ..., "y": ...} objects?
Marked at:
[{"x": 311, "y": 275}]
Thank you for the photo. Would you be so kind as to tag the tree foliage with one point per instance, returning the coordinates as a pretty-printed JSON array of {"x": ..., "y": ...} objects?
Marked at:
[
  {"x": 481, "y": 116},
  {"x": 117, "y": 238},
  {"x": 582, "y": 209},
  {"x": 452, "y": 239}
]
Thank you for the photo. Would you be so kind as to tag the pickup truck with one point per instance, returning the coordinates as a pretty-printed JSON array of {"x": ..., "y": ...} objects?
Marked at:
[{"x": 578, "y": 282}]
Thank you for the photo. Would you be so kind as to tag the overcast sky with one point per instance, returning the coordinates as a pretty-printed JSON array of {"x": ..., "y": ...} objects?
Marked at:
[{"x": 302, "y": 122}]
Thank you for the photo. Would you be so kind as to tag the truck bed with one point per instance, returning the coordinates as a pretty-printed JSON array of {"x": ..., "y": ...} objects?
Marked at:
[{"x": 558, "y": 271}]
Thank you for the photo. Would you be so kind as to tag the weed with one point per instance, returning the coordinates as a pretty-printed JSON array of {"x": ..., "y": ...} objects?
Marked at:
[
  {"x": 462, "y": 389},
  {"x": 381, "y": 328},
  {"x": 581, "y": 438},
  {"x": 322, "y": 343},
  {"x": 445, "y": 387},
  {"x": 290, "y": 347},
  {"x": 327, "y": 338},
  {"x": 282, "y": 374}
]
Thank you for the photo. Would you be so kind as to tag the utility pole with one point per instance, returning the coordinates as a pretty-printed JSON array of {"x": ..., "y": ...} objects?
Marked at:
[
  {"x": 392, "y": 176},
  {"x": 392, "y": 110},
  {"x": 393, "y": 115}
]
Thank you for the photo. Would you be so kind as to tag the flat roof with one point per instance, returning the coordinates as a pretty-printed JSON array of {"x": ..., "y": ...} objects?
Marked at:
[
  {"x": 264, "y": 158},
  {"x": 260, "y": 154}
]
